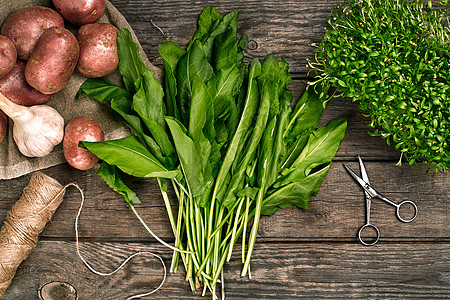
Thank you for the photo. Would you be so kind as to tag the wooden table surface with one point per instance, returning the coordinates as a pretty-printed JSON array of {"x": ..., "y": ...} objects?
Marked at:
[{"x": 299, "y": 253}]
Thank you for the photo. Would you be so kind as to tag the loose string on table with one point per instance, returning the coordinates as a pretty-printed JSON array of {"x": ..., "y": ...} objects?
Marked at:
[{"x": 124, "y": 262}]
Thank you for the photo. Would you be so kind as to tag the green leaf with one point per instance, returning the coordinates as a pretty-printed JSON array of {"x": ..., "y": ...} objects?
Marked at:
[
  {"x": 250, "y": 151},
  {"x": 207, "y": 22},
  {"x": 171, "y": 53},
  {"x": 148, "y": 103},
  {"x": 221, "y": 88},
  {"x": 250, "y": 192},
  {"x": 130, "y": 64},
  {"x": 129, "y": 155},
  {"x": 248, "y": 114},
  {"x": 188, "y": 156},
  {"x": 193, "y": 63},
  {"x": 320, "y": 149},
  {"x": 306, "y": 113},
  {"x": 113, "y": 179},
  {"x": 229, "y": 21},
  {"x": 199, "y": 118},
  {"x": 210, "y": 25},
  {"x": 148, "y": 100},
  {"x": 225, "y": 53},
  {"x": 276, "y": 71},
  {"x": 123, "y": 107},
  {"x": 297, "y": 193},
  {"x": 102, "y": 89}
]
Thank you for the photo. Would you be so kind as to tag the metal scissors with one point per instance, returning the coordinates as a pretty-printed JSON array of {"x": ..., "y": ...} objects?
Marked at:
[{"x": 370, "y": 193}]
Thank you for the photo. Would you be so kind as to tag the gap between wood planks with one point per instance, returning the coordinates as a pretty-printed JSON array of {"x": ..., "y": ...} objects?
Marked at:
[{"x": 262, "y": 240}]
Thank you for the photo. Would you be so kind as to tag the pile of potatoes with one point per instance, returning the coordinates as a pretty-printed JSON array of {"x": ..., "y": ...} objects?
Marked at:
[{"x": 38, "y": 54}]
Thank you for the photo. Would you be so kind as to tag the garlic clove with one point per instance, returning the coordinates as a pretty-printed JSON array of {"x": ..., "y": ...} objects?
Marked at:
[{"x": 37, "y": 129}]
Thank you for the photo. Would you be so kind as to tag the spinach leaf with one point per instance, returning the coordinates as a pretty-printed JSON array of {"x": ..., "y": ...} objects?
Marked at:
[
  {"x": 225, "y": 53},
  {"x": 149, "y": 102},
  {"x": 123, "y": 107},
  {"x": 131, "y": 66},
  {"x": 249, "y": 111},
  {"x": 191, "y": 164},
  {"x": 259, "y": 127},
  {"x": 129, "y": 155},
  {"x": 199, "y": 117},
  {"x": 171, "y": 53},
  {"x": 102, "y": 90},
  {"x": 211, "y": 24},
  {"x": 207, "y": 22},
  {"x": 276, "y": 71},
  {"x": 221, "y": 88},
  {"x": 192, "y": 63},
  {"x": 113, "y": 179},
  {"x": 241, "y": 66},
  {"x": 306, "y": 113},
  {"x": 296, "y": 193},
  {"x": 321, "y": 147}
]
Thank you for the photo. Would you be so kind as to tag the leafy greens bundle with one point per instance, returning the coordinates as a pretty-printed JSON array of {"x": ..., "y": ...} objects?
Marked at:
[
  {"x": 393, "y": 58},
  {"x": 222, "y": 133}
]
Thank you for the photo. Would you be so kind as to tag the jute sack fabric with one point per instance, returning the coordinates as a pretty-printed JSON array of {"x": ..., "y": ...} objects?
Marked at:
[{"x": 12, "y": 162}]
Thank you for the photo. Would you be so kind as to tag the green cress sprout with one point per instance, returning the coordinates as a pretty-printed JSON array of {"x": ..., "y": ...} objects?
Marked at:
[{"x": 393, "y": 58}]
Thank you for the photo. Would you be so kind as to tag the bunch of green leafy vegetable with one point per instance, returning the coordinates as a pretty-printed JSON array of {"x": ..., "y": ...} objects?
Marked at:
[
  {"x": 393, "y": 57},
  {"x": 223, "y": 134}
]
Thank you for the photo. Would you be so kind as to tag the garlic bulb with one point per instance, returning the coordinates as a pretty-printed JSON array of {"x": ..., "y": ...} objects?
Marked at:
[{"x": 37, "y": 129}]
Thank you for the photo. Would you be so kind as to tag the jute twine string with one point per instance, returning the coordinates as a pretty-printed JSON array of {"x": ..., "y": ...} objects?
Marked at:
[
  {"x": 28, "y": 217},
  {"x": 24, "y": 222},
  {"x": 123, "y": 263}
]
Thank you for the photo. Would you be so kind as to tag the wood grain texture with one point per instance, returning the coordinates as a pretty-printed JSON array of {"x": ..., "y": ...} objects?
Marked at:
[
  {"x": 284, "y": 28},
  {"x": 279, "y": 271},
  {"x": 336, "y": 213},
  {"x": 311, "y": 254}
]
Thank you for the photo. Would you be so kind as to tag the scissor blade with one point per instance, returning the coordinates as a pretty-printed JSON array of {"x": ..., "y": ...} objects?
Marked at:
[
  {"x": 359, "y": 180},
  {"x": 363, "y": 170}
]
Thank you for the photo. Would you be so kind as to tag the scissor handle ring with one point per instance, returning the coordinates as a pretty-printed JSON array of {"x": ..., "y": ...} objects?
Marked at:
[
  {"x": 376, "y": 238},
  {"x": 398, "y": 211}
]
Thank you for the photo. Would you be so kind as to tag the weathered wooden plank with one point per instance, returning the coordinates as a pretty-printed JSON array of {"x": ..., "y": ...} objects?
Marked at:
[
  {"x": 279, "y": 271},
  {"x": 335, "y": 213},
  {"x": 284, "y": 28},
  {"x": 339, "y": 208}
]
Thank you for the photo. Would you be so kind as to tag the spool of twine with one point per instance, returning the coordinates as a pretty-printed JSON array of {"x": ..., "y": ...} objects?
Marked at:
[{"x": 25, "y": 221}]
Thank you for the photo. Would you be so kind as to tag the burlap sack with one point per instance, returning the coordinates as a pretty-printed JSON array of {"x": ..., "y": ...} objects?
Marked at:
[{"x": 12, "y": 162}]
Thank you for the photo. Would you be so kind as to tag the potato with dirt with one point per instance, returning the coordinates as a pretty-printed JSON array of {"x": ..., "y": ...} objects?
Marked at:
[
  {"x": 3, "y": 125},
  {"x": 98, "y": 49},
  {"x": 80, "y": 12},
  {"x": 25, "y": 26},
  {"x": 8, "y": 55},
  {"x": 15, "y": 87},
  {"x": 81, "y": 129},
  {"x": 53, "y": 60}
]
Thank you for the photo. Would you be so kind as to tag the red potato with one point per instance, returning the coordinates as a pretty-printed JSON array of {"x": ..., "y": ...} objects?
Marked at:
[
  {"x": 98, "y": 49},
  {"x": 80, "y": 12},
  {"x": 8, "y": 55},
  {"x": 53, "y": 60},
  {"x": 14, "y": 87},
  {"x": 3, "y": 125},
  {"x": 25, "y": 26},
  {"x": 81, "y": 129}
]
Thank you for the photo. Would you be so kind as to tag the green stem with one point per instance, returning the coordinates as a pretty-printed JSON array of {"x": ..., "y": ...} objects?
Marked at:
[
  {"x": 175, "y": 256},
  {"x": 230, "y": 213},
  {"x": 236, "y": 219},
  {"x": 254, "y": 231},
  {"x": 244, "y": 234}
]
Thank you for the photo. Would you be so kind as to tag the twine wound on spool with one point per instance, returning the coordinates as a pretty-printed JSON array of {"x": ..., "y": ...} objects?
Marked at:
[
  {"x": 28, "y": 217},
  {"x": 25, "y": 221}
]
